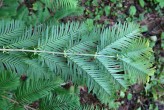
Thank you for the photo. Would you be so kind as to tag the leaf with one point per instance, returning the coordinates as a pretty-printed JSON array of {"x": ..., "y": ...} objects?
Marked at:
[
  {"x": 36, "y": 6},
  {"x": 90, "y": 24},
  {"x": 132, "y": 10},
  {"x": 122, "y": 94},
  {"x": 107, "y": 10},
  {"x": 129, "y": 96},
  {"x": 142, "y": 3},
  {"x": 144, "y": 28},
  {"x": 95, "y": 3},
  {"x": 113, "y": 1}
]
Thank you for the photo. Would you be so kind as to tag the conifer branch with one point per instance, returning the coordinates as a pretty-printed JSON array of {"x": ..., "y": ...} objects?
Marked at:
[
  {"x": 55, "y": 53},
  {"x": 11, "y": 100}
]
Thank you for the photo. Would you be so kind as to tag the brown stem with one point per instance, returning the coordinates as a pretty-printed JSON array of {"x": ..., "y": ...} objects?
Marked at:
[{"x": 13, "y": 101}]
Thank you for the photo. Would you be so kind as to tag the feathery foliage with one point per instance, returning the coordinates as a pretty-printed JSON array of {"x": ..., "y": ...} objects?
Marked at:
[
  {"x": 9, "y": 31},
  {"x": 8, "y": 81},
  {"x": 39, "y": 11},
  {"x": 17, "y": 92},
  {"x": 105, "y": 60},
  {"x": 62, "y": 102}
]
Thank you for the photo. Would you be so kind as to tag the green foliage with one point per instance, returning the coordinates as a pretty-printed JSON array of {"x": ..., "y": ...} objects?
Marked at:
[
  {"x": 132, "y": 10},
  {"x": 18, "y": 93},
  {"x": 122, "y": 94},
  {"x": 107, "y": 10},
  {"x": 156, "y": 83},
  {"x": 91, "y": 107},
  {"x": 37, "y": 51},
  {"x": 142, "y": 3},
  {"x": 106, "y": 60},
  {"x": 8, "y": 81},
  {"x": 160, "y": 2},
  {"x": 9, "y": 31},
  {"x": 60, "y": 3},
  {"x": 129, "y": 97},
  {"x": 90, "y": 24},
  {"x": 113, "y": 0},
  {"x": 39, "y": 11},
  {"x": 8, "y": 8},
  {"x": 62, "y": 102},
  {"x": 35, "y": 89}
]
